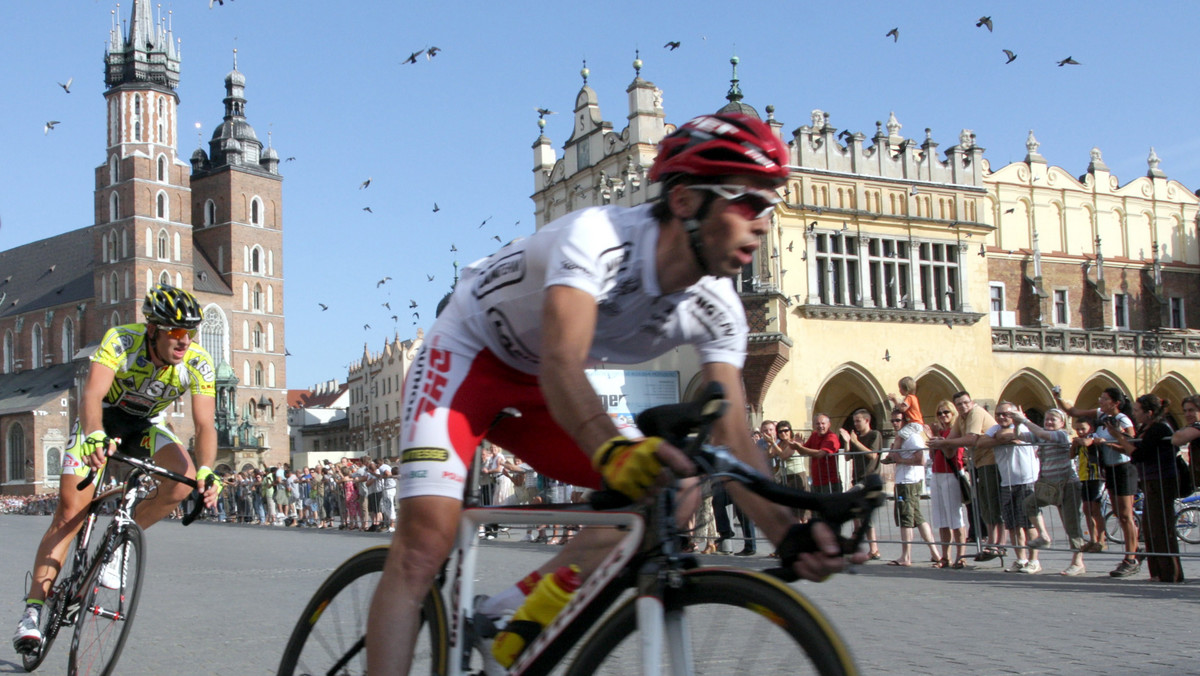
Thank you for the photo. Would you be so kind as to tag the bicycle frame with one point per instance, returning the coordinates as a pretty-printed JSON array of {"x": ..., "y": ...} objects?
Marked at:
[{"x": 590, "y": 601}]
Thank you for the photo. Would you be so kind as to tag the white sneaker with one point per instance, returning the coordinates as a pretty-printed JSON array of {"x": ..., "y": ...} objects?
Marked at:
[
  {"x": 113, "y": 572},
  {"x": 28, "y": 637},
  {"x": 1016, "y": 566},
  {"x": 1074, "y": 570},
  {"x": 1031, "y": 568}
]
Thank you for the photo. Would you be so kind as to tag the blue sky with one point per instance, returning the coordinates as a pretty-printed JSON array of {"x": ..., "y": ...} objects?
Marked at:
[{"x": 326, "y": 78}]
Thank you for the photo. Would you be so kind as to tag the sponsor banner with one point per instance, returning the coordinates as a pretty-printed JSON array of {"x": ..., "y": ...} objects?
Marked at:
[{"x": 626, "y": 393}]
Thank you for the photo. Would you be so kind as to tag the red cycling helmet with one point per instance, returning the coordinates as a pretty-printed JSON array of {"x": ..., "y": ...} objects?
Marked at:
[{"x": 728, "y": 144}]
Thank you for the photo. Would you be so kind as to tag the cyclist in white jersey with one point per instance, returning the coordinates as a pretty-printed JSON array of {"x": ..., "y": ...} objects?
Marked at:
[{"x": 621, "y": 285}]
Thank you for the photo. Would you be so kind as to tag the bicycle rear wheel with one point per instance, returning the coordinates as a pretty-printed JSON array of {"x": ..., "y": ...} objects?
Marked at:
[
  {"x": 735, "y": 622},
  {"x": 1112, "y": 526},
  {"x": 106, "y": 615},
  {"x": 1187, "y": 525},
  {"x": 330, "y": 636}
]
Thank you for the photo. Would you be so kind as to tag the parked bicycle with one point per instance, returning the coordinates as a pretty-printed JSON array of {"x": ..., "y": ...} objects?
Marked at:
[
  {"x": 696, "y": 619},
  {"x": 1187, "y": 520},
  {"x": 102, "y": 615}
]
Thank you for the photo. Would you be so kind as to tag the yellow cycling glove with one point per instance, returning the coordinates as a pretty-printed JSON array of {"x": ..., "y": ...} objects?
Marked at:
[
  {"x": 95, "y": 442},
  {"x": 628, "y": 466},
  {"x": 203, "y": 474}
]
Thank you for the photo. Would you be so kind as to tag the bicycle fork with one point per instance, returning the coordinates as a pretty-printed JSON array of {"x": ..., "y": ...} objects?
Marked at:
[{"x": 659, "y": 628}]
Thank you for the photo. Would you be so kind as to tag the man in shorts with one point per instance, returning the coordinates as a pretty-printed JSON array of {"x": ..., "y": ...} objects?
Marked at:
[
  {"x": 605, "y": 284},
  {"x": 1017, "y": 462},
  {"x": 137, "y": 372}
]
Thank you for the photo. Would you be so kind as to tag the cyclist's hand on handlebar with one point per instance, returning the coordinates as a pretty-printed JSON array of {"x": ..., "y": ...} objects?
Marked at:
[
  {"x": 95, "y": 449},
  {"x": 632, "y": 467},
  {"x": 213, "y": 488},
  {"x": 814, "y": 551}
]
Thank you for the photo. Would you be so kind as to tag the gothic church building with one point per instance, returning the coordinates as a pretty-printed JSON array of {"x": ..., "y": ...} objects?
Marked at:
[{"x": 212, "y": 226}]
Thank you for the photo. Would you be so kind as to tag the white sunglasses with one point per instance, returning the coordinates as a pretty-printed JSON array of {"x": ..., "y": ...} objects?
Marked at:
[{"x": 761, "y": 202}]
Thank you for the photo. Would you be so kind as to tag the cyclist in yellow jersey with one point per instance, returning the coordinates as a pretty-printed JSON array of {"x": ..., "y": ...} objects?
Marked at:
[{"x": 137, "y": 372}]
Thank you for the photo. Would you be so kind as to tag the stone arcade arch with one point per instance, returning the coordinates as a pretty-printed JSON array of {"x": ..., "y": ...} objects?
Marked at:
[
  {"x": 933, "y": 385},
  {"x": 1174, "y": 387},
  {"x": 1029, "y": 389},
  {"x": 849, "y": 387}
]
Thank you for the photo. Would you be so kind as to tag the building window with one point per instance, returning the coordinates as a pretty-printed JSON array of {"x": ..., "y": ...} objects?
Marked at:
[
  {"x": 111, "y": 246},
  {"x": 1121, "y": 311},
  {"x": 137, "y": 117},
  {"x": 258, "y": 375},
  {"x": 164, "y": 277},
  {"x": 35, "y": 347},
  {"x": 888, "y": 268},
  {"x": 16, "y": 453},
  {"x": 214, "y": 334},
  {"x": 937, "y": 265},
  {"x": 114, "y": 207},
  {"x": 113, "y": 296},
  {"x": 162, "y": 116},
  {"x": 162, "y": 169},
  {"x": 258, "y": 337},
  {"x": 1178, "y": 320},
  {"x": 210, "y": 212},
  {"x": 114, "y": 170},
  {"x": 256, "y": 300},
  {"x": 1062, "y": 312},
  {"x": 164, "y": 246},
  {"x": 837, "y": 269},
  {"x": 256, "y": 260},
  {"x": 161, "y": 206},
  {"x": 68, "y": 341},
  {"x": 9, "y": 357},
  {"x": 255, "y": 212}
]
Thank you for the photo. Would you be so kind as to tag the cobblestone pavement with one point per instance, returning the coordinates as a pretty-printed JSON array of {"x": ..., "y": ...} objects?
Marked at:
[{"x": 221, "y": 599}]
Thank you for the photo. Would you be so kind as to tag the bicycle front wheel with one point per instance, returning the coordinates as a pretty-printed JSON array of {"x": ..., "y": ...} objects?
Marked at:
[
  {"x": 106, "y": 614},
  {"x": 1112, "y": 526},
  {"x": 330, "y": 636},
  {"x": 733, "y": 622},
  {"x": 1187, "y": 524}
]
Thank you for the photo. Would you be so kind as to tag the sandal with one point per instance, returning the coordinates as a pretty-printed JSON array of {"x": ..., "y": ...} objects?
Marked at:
[
  {"x": 942, "y": 563},
  {"x": 959, "y": 564},
  {"x": 897, "y": 563},
  {"x": 874, "y": 556}
]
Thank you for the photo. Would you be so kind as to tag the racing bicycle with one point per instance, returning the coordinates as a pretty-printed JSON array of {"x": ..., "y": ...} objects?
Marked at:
[
  {"x": 101, "y": 616},
  {"x": 1187, "y": 520},
  {"x": 649, "y": 608}
]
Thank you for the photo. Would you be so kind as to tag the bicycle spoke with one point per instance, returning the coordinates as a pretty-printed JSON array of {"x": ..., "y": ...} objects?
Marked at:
[{"x": 104, "y": 619}]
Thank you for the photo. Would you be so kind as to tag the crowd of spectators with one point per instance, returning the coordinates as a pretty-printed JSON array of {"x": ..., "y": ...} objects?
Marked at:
[{"x": 37, "y": 505}]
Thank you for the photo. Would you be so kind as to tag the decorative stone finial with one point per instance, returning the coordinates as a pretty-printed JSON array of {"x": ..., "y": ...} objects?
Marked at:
[
  {"x": 1152, "y": 162},
  {"x": 1096, "y": 157},
  {"x": 966, "y": 139},
  {"x": 637, "y": 63},
  {"x": 1031, "y": 144},
  {"x": 735, "y": 92},
  {"x": 893, "y": 125},
  {"x": 770, "y": 113},
  {"x": 1097, "y": 163},
  {"x": 584, "y": 72}
]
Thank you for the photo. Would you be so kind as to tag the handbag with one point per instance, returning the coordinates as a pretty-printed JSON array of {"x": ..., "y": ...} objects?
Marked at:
[{"x": 964, "y": 485}]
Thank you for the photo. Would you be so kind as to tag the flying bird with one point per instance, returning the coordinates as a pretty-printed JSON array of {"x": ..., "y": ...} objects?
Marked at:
[
  {"x": 324, "y": 307},
  {"x": 436, "y": 208},
  {"x": 49, "y": 125},
  {"x": 387, "y": 305},
  {"x": 412, "y": 58},
  {"x": 812, "y": 226},
  {"x": 984, "y": 21},
  {"x": 67, "y": 87},
  {"x": 672, "y": 45},
  {"x": 894, "y": 34},
  {"x": 395, "y": 318},
  {"x": 1010, "y": 210},
  {"x": 286, "y": 353},
  {"x": 366, "y": 326},
  {"x": 365, "y": 184},
  {"x": 453, "y": 248},
  {"x": 543, "y": 112},
  {"x": 432, "y": 52},
  {"x": 496, "y": 237},
  {"x": 382, "y": 282},
  {"x": 220, "y": 2},
  {"x": 887, "y": 355},
  {"x": 1012, "y": 56},
  {"x": 790, "y": 244},
  {"x": 416, "y": 315},
  {"x": 291, "y": 159},
  {"x": 1068, "y": 62},
  {"x": 429, "y": 277},
  {"x": 484, "y": 222},
  {"x": 368, "y": 210},
  {"x": 982, "y": 250},
  {"x": 411, "y": 303}
]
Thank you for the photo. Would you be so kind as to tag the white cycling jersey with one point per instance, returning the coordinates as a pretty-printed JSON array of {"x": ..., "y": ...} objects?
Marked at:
[{"x": 608, "y": 252}]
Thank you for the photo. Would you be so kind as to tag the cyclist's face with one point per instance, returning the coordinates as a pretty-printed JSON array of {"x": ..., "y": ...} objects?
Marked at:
[
  {"x": 729, "y": 234},
  {"x": 171, "y": 345}
]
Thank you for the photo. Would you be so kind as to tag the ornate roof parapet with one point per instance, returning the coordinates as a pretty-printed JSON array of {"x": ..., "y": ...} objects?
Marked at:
[{"x": 819, "y": 146}]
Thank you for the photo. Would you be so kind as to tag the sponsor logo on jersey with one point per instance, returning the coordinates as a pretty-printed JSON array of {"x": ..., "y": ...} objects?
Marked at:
[
  {"x": 433, "y": 385},
  {"x": 502, "y": 272},
  {"x": 70, "y": 462},
  {"x": 203, "y": 367},
  {"x": 572, "y": 266},
  {"x": 712, "y": 316},
  {"x": 415, "y": 474},
  {"x": 454, "y": 476},
  {"x": 424, "y": 455},
  {"x": 508, "y": 338},
  {"x": 611, "y": 262}
]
